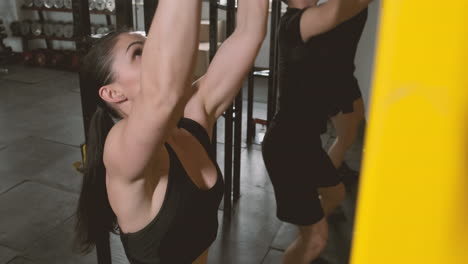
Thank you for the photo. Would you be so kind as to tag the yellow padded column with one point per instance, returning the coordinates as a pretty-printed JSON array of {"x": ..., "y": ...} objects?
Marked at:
[{"x": 413, "y": 201}]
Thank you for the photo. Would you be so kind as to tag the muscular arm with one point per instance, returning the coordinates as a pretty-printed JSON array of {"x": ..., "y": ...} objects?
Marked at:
[
  {"x": 167, "y": 66},
  {"x": 223, "y": 80},
  {"x": 320, "y": 19}
]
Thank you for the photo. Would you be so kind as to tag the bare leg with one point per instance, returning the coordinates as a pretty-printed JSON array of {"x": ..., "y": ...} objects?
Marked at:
[
  {"x": 331, "y": 197},
  {"x": 346, "y": 126},
  {"x": 308, "y": 246}
]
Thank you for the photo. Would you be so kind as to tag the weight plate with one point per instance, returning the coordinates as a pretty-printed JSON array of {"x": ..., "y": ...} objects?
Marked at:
[
  {"x": 28, "y": 57},
  {"x": 92, "y": 4},
  {"x": 57, "y": 59},
  {"x": 68, "y": 31},
  {"x": 58, "y": 4},
  {"x": 49, "y": 29},
  {"x": 29, "y": 3},
  {"x": 67, "y": 4},
  {"x": 110, "y": 5},
  {"x": 49, "y": 3},
  {"x": 100, "y": 5},
  {"x": 41, "y": 58},
  {"x": 25, "y": 28},
  {"x": 58, "y": 30},
  {"x": 39, "y": 3},
  {"x": 36, "y": 28},
  {"x": 102, "y": 30}
]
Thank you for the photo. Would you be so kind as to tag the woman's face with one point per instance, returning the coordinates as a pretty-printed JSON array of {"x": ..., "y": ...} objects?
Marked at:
[{"x": 126, "y": 69}]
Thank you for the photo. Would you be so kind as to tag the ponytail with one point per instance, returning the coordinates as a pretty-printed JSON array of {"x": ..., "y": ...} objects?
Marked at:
[{"x": 95, "y": 218}]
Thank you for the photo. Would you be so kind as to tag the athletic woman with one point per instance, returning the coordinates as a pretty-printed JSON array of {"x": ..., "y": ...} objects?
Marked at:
[
  {"x": 296, "y": 162},
  {"x": 149, "y": 172}
]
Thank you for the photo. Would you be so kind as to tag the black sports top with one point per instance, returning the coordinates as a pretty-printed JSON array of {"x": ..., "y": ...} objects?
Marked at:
[
  {"x": 310, "y": 72},
  {"x": 187, "y": 223}
]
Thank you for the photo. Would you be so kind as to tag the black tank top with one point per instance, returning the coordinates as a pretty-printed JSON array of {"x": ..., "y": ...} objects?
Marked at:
[
  {"x": 310, "y": 72},
  {"x": 187, "y": 223}
]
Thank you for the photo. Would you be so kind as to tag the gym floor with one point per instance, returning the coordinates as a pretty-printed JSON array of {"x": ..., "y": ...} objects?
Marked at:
[{"x": 41, "y": 130}]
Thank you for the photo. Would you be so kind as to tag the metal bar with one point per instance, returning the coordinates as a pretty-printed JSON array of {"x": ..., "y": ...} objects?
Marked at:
[
  {"x": 228, "y": 162},
  {"x": 213, "y": 49},
  {"x": 250, "y": 95},
  {"x": 81, "y": 22},
  {"x": 82, "y": 31},
  {"x": 41, "y": 19},
  {"x": 230, "y": 24},
  {"x": 124, "y": 14},
  {"x": 108, "y": 20},
  {"x": 135, "y": 14},
  {"x": 25, "y": 44},
  {"x": 275, "y": 10},
  {"x": 149, "y": 8},
  {"x": 237, "y": 146},
  {"x": 275, "y": 73},
  {"x": 41, "y": 16}
]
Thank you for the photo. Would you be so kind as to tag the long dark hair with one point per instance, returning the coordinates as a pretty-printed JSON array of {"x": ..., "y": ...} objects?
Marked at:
[{"x": 95, "y": 218}]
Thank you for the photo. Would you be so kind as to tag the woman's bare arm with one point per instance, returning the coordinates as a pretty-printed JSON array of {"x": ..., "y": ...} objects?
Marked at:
[
  {"x": 167, "y": 67},
  {"x": 223, "y": 80}
]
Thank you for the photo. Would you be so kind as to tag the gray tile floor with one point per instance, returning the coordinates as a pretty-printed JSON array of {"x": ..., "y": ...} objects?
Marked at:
[{"x": 41, "y": 130}]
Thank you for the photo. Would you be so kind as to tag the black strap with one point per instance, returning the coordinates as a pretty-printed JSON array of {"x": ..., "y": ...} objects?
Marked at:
[{"x": 198, "y": 131}]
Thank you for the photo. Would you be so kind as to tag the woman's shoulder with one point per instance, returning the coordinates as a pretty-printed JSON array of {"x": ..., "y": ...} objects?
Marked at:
[{"x": 112, "y": 152}]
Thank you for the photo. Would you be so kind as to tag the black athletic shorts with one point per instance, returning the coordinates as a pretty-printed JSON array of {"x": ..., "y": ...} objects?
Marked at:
[
  {"x": 347, "y": 92},
  {"x": 297, "y": 165}
]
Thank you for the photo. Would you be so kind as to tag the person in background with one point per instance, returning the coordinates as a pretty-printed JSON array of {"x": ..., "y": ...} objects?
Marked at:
[{"x": 297, "y": 164}]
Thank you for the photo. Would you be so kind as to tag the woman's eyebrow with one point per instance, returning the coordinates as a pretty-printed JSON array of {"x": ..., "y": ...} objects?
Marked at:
[{"x": 134, "y": 43}]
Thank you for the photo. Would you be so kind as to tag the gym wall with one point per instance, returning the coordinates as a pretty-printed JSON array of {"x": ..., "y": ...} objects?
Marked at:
[{"x": 366, "y": 52}]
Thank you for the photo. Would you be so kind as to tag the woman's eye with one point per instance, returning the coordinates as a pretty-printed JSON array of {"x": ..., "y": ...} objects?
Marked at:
[{"x": 137, "y": 52}]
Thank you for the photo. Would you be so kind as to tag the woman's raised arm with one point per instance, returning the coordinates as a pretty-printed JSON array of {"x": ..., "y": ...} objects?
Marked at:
[
  {"x": 167, "y": 63},
  {"x": 223, "y": 80}
]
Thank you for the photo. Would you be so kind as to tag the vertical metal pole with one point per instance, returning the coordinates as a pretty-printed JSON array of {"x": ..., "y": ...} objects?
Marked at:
[
  {"x": 135, "y": 15},
  {"x": 108, "y": 20},
  {"x": 230, "y": 23},
  {"x": 82, "y": 31},
  {"x": 237, "y": 143},
  {"x": 124, "y": 14},
  {"x": 41, "y": 19},
  {"x": 213, "y": 49},
  {"x": 276, "y": 75},
  {"x": 272, "y": 81},
  {"x": 237, "y": 146},
  {"x": 149, "y": 8},
  {"x": 250, "y": 95}
]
